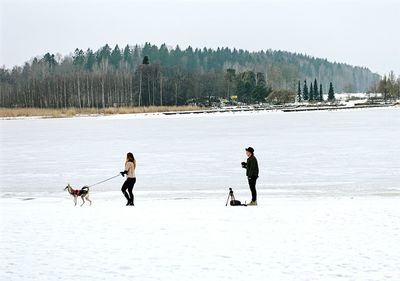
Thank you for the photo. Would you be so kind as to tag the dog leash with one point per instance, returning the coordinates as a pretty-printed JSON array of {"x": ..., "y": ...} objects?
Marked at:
[{"x": 104, "y": 180}]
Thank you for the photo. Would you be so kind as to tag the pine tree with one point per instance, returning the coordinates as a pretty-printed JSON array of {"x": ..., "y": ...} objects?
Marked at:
[
  {"x": 78, "y": 58},
  {"x": 146, "y": 60},
  {"x": 316, "y": 94},
  {"x": 331, "y": 93},
  {"x": 299, "y": 92},
  {"x": 305, "y": 91},
  {"x": 311, "y": 95},
  {"x": 50, "y": 60},
  {"x": 321, "y": 96}
]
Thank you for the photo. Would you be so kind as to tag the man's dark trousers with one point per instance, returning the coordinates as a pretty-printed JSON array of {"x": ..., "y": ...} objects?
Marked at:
[{"x": 252, "y": 184}]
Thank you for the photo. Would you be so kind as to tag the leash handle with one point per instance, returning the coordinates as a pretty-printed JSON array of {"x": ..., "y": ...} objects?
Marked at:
[{"x": 104, "y": 180}]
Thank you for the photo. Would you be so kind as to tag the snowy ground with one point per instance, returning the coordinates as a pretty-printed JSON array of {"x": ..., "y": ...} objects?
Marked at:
[
  {"x": 305, "y": 238},
  {"x": 328, "y": 198}
]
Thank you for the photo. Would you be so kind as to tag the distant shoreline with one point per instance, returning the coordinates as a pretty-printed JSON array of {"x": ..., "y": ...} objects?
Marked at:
[
  {"x": 19, "y": 112},
  {"x": 297, "y": 108},
  {"x": 42, "y": 113}
]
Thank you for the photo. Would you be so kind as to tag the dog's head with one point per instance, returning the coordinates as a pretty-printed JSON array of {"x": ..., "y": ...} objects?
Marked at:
[{"x": 67, "y": 187}]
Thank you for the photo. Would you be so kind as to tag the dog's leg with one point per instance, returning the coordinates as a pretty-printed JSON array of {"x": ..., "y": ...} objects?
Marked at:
[
  {"x": 87, "y": 198},
  {"x": 75, "y": 200},
  {"x": 83, "y": 199}
]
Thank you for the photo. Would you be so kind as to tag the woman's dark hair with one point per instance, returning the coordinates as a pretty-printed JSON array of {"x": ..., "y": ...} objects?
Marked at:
[{"x": 131, "y": 158}]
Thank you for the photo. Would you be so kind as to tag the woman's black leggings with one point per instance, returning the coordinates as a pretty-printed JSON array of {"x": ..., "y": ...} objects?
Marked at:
[{"x": 128, "y": 185}]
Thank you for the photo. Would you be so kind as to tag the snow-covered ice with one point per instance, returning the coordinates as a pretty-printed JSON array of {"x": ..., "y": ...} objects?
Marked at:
[
  {"x": 319, "y": 151},
  {"x": 281, "y": 239},
  {"x": 328, "y": 197}
]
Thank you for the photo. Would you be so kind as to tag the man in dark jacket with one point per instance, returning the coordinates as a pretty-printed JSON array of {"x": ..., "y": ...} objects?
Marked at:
[{"x": 251, "y": 167}]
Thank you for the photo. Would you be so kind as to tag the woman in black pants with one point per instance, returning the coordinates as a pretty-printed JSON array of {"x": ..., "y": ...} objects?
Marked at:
[{"x": 130, "y": 166}]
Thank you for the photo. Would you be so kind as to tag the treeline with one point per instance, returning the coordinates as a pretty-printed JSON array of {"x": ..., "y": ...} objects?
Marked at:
[
  {"x": 388, "y": 86},
  {"x": 151, "y": 75},
  {"x": 283, "y": 69}
]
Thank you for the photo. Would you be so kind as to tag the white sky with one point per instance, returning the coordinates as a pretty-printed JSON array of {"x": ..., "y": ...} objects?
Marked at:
[{"x": 364, "y": 33}]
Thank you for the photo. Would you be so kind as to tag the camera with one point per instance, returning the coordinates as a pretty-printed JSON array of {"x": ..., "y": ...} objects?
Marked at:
[{"x": 244, "y": 165}]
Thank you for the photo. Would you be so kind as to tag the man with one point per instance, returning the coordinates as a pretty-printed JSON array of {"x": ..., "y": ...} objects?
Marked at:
[{"x": 251, "y": 167}]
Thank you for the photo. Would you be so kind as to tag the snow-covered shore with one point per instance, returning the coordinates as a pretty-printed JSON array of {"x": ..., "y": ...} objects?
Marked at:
[
  {"x": 304, "y": 238},
  {"x": 349, "y": 106}
]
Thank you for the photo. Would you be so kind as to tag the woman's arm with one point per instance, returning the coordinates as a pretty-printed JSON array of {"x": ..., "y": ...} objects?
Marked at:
[{"x": 127, "y": 167}]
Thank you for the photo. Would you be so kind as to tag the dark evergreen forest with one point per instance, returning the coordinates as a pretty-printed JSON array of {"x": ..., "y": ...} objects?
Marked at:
[{"x": 152, "y": 75}]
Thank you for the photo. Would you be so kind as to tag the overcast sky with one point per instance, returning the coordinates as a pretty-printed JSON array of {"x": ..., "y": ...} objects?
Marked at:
[{"x": 363, "y": 33}]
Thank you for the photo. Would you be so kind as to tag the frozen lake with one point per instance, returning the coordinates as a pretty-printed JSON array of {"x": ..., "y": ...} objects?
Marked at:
[
  {"x": 350, "y": 152},
  {"x": 328, "y": 198}
]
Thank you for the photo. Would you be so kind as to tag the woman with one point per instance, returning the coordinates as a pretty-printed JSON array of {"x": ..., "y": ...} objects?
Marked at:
[{"x": 130, "y": 166}]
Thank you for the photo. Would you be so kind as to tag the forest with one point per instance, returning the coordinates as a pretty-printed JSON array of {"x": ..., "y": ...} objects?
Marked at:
[
  {"x": 148, "y": 75},
  {"x": 388, "y": 86}
]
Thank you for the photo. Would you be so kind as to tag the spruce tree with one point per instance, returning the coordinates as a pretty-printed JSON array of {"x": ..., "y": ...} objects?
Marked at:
[
  {"x": 127, "y": 55},
  {"x": 305, "y": 91},
  {"x": 311, "y": 95},
  {"x": 116, "y": 57},
  {"x": 299, "y": 92},
  {"x": 90, "y": 60},
  {"x": 103, "y": 55},
  {"x": 321, "y": 96},
  {"x": 316, "y": 94},
  {"x": 331, "y": 93}
]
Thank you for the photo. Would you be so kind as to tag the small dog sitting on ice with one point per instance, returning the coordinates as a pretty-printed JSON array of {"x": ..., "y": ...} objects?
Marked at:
[{"x": 83, "y": 193}]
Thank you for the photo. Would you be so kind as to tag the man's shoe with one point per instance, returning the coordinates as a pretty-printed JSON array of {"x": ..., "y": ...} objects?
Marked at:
[{"x": 252, "y": 203}]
